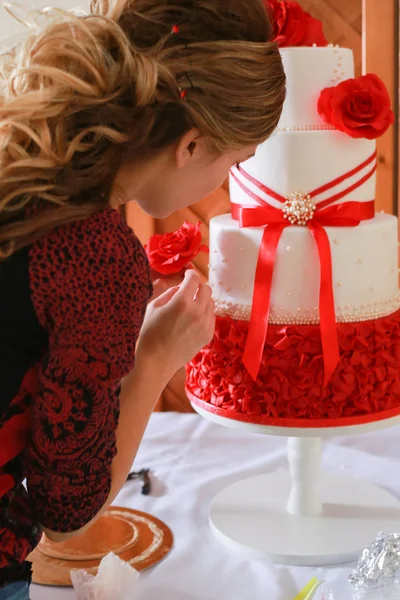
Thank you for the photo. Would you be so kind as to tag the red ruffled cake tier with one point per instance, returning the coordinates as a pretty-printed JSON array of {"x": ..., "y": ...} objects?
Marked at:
[{"x": 289, "y": 389}]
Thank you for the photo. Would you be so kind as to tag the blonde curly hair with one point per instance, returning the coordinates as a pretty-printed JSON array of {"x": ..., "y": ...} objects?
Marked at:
[{"x": 85, "y": 93}]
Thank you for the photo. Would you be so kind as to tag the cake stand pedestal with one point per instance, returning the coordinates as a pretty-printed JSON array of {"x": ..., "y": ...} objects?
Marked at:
[{"x": 302, "y": 516}]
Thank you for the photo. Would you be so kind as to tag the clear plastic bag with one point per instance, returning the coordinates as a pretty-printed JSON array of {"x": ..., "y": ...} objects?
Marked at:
[
  {"x": 115, "y": 579},
  {"x": 343, "y": 590}
]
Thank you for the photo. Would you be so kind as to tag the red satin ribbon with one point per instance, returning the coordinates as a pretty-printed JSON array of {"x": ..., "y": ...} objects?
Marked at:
[
  {"x": 320, "y": 190},
  {"x": 14, "y": 436},
  {"x": 347, "y": 214}
]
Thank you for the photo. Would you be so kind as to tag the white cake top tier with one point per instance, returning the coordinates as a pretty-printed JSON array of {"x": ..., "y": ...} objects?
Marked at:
[{"x": 308, "y": 72}]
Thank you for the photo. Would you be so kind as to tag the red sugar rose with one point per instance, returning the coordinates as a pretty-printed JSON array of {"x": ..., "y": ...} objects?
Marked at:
[
  {"x": 359, "y": 107},
  {"x": 293, "y": 26},
  {"x": 172, "y": 252}
]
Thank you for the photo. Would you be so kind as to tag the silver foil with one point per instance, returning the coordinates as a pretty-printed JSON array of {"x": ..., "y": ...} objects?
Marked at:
[{"x": 379, "y": 564}]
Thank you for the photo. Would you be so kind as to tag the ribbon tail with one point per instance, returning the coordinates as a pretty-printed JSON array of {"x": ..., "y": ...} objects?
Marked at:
[
  {"x": 330, "y": 345},
  {"x": 7, "y": 482},
  {"x": 15, "y": 434},
  {"x": 258, "y": 325}
]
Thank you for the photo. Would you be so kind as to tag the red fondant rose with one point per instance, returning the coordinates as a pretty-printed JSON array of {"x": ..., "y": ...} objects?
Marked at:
[
  {"x": 172, "y": 252},
  {"x": 293, "y": 26},
  {"x": 359, "y": 107}
]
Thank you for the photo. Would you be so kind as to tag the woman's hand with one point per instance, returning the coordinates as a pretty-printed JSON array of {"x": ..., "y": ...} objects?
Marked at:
[
  {"x": 178, "y": 324},
  {"x": 162, "y": 283}
]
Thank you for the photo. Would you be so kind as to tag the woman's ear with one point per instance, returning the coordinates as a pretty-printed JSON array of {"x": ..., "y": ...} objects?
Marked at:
[{"x": 190, "y": 148}]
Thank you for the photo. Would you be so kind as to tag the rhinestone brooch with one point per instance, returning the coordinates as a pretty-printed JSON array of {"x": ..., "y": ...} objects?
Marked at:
[{"x": 299, "y": 208}]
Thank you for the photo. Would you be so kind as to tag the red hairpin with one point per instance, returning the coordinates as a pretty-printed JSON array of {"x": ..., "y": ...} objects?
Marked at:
[
  {"x": 175, "y": 29},
  {"x": 183, "y": 94}
]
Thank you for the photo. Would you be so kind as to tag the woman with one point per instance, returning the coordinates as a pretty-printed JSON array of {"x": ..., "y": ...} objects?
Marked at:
[{"x": 143, "y": 99}]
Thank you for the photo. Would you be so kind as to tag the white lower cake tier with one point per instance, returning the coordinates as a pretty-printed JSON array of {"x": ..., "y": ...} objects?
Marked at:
[{"x": 364, "y": 265}]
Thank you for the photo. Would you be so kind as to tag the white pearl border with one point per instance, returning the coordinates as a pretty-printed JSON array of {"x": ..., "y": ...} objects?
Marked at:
[
  {"x": 308, "y": 128},
  {"x": 337, "y": 77},
  {"x": 310, "y": 316}
]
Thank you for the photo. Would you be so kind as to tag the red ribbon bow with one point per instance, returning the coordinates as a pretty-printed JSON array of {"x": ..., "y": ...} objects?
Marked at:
[{"x": 347, "y": 214}]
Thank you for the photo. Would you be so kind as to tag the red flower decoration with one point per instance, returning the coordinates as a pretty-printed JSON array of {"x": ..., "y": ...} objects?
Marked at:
[
  {"x": 359, "y": 107},
  {"x": 172, "y": 252},
  {"x": 293, "y": 26}
]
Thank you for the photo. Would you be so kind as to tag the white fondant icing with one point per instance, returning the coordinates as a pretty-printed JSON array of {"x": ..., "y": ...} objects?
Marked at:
[
  {"x": 304, "y": 161},
  {"x": 308, "y": 71},
  {"x": 364, "y": 270},
  {"x": 301, "y": 157}
]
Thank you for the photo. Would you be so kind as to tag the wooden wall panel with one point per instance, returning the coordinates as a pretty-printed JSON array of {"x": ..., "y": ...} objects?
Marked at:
[
  {"x": 370, "y": 29},
  {"x": 342, "y": 21},
  {"x": 380, "y": 57}
]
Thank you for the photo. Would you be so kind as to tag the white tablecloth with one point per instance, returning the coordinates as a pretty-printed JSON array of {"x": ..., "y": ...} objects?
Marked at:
[{"x": 192, "y": 459}]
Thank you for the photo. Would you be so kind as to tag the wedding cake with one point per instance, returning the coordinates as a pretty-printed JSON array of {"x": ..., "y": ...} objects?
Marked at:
[{"x": 304, "y": 273}]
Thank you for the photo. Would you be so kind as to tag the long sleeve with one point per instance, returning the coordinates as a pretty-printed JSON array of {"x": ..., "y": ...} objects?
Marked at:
[{"x": 90, "y": 287}]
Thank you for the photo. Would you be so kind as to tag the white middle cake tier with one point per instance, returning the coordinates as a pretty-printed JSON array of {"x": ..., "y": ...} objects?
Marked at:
[
  {"x": 364, "y": 265},
  {"x": 304, "y": 161}
]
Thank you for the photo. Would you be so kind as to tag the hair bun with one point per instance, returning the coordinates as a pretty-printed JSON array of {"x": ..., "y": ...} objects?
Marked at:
[{"x": 87, "y": 93}]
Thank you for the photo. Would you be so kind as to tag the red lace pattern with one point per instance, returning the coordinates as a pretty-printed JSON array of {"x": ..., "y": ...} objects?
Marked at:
[{"x": 90, "y": 285}]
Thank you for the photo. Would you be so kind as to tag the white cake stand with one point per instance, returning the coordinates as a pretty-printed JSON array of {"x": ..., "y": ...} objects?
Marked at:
[{"x": 302, "y": 516}]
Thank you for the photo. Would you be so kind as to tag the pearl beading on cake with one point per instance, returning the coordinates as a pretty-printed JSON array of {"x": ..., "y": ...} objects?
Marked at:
[
  {"x": 308, "y": 316},
  {"x": 338, "y": 72},
  {"x": 337, "y": 77},
  {"x": 308, "y": 128}
]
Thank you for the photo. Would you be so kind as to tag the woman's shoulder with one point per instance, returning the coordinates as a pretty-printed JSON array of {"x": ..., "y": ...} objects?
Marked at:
[
  {"x": 83, "y": 243},
  {"x": 89, "y": 269}
]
